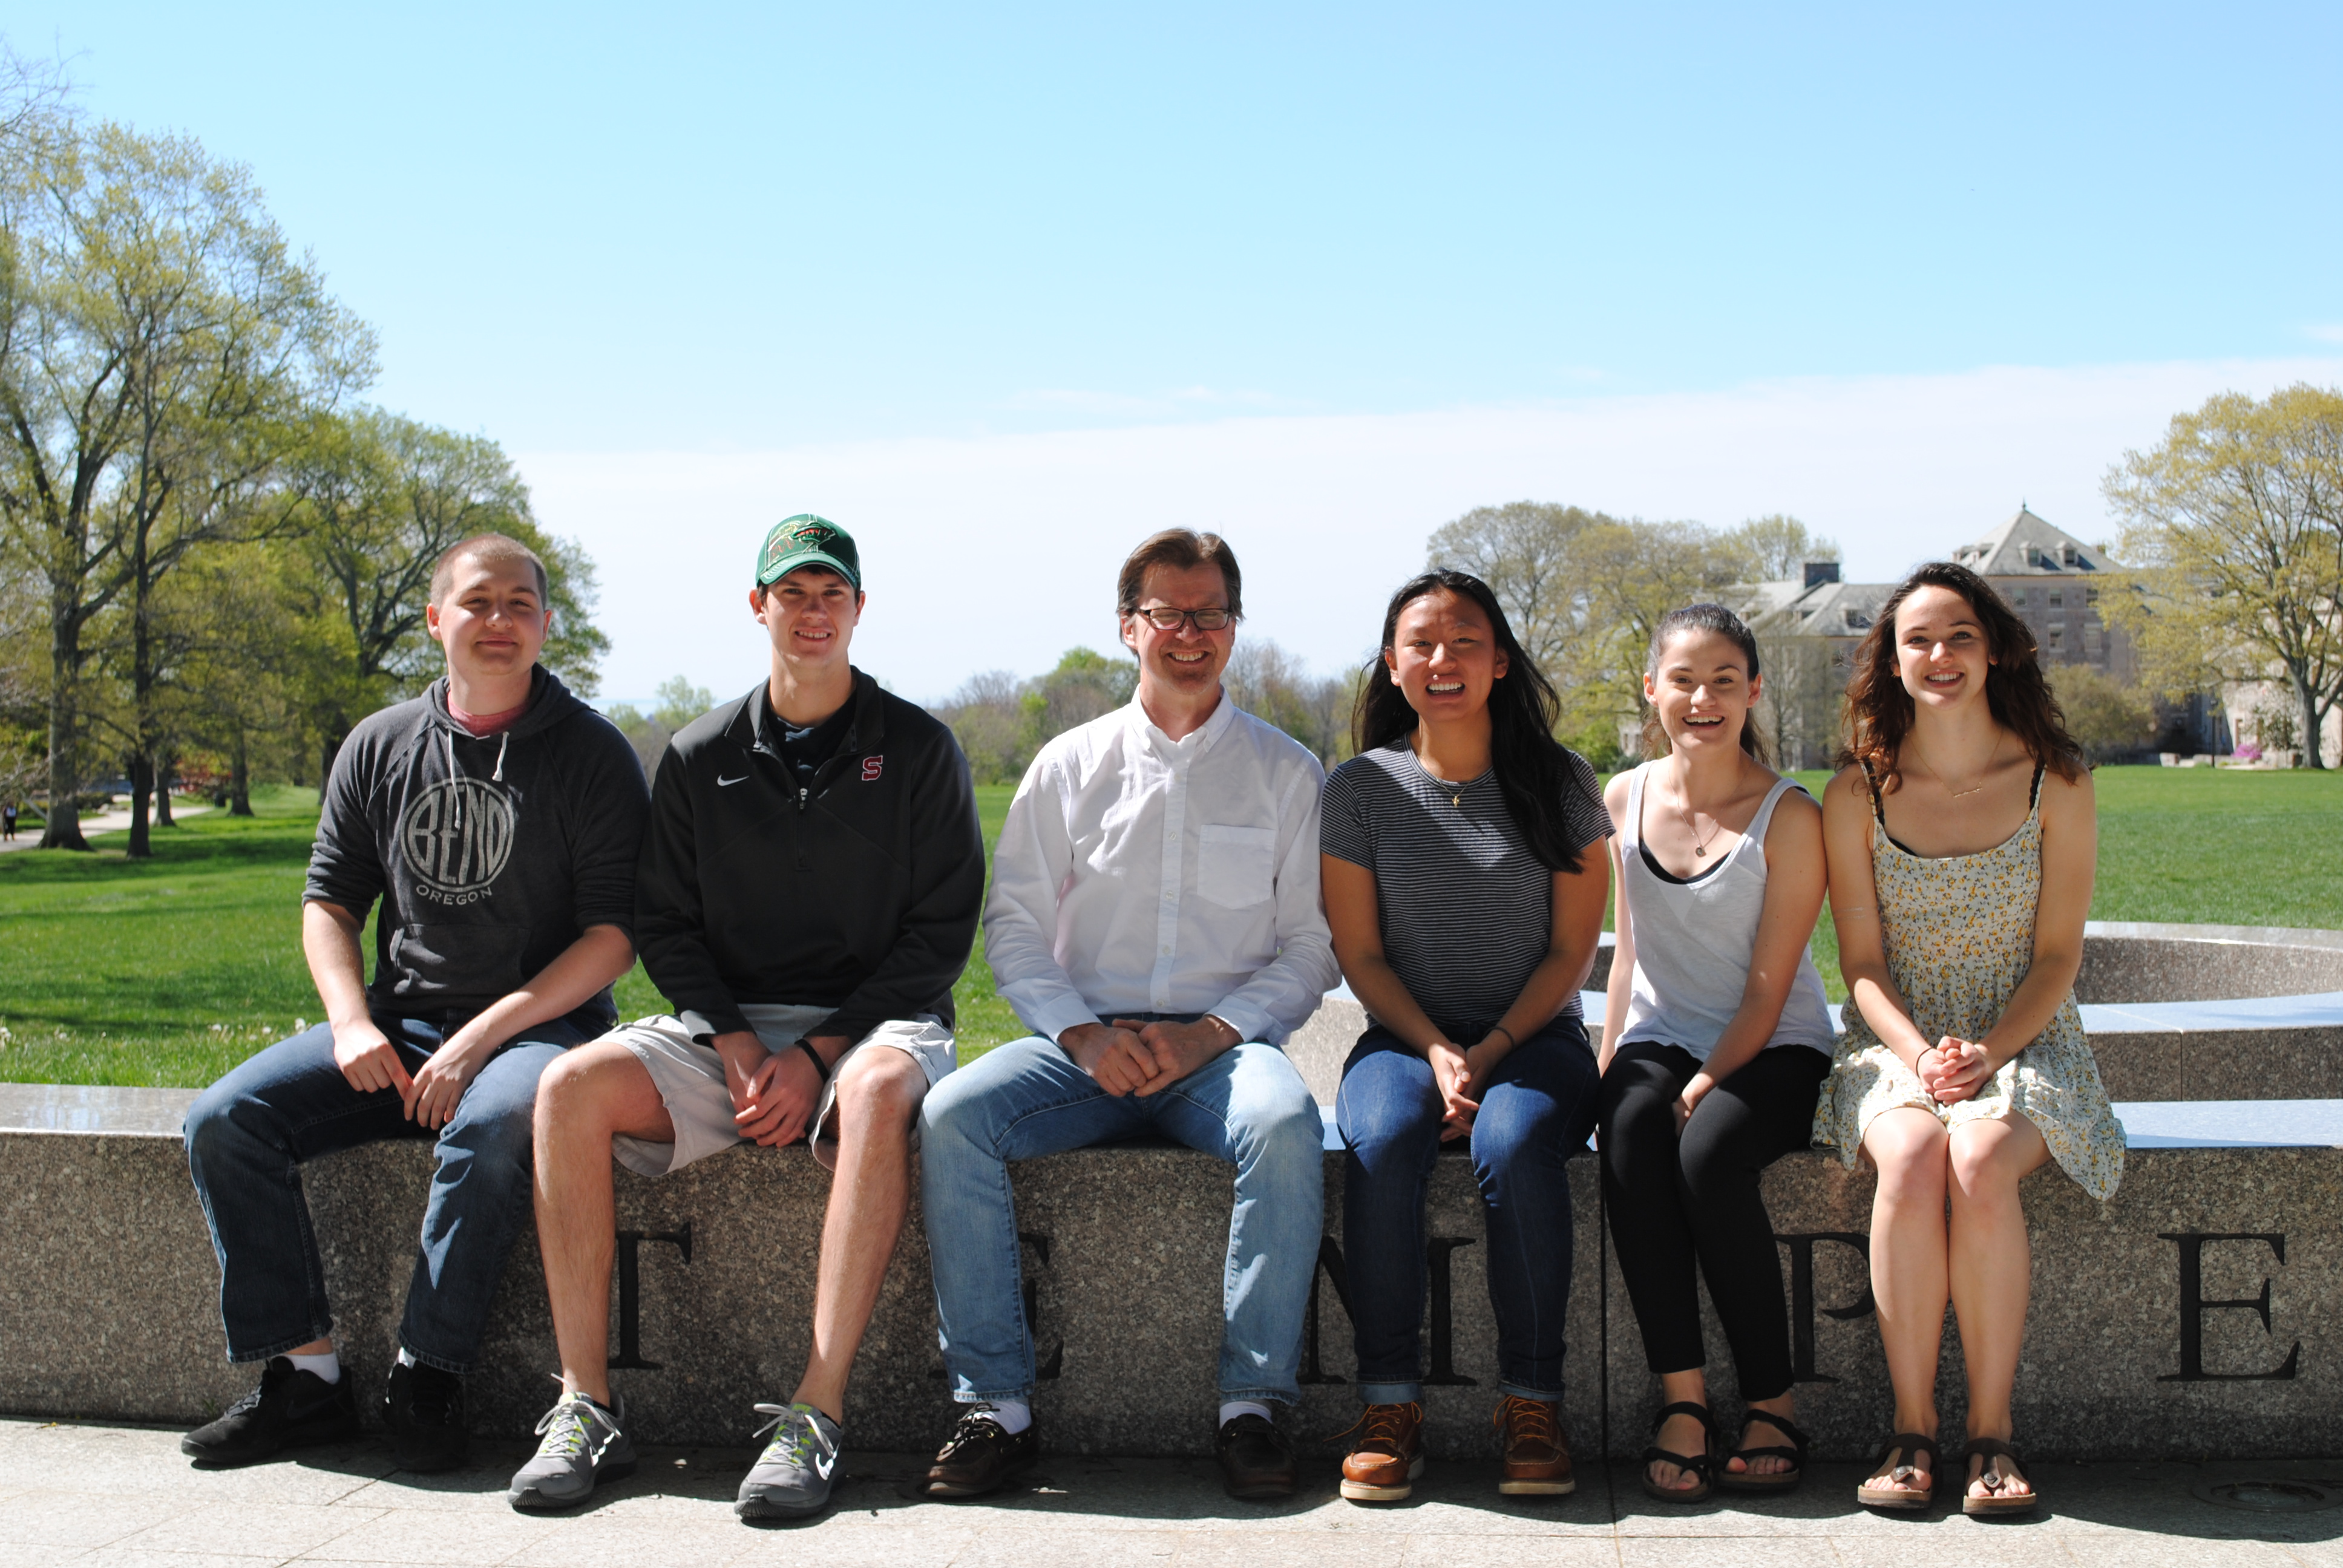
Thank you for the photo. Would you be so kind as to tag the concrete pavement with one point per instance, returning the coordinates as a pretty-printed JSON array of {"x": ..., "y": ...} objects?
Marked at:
[
  {"x": 29, "y": 834},
  {"x": 113, "y": 1494}
]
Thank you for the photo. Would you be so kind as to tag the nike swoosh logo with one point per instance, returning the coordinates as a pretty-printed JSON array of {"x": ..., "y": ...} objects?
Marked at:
[{"x": 721, "y": 780}]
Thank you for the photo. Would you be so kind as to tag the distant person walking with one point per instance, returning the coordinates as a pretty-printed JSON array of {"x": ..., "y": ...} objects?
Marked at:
[
  {"x": 1465, "y": 910},
  {"x": 1716, "y": 1039},
  {"x": 8, "y": 823},
  {"x": 497, "y": 817},
  {"x": 1962, "y": 838}
]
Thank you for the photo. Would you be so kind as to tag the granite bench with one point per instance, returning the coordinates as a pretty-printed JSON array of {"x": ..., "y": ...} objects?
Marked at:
[{"x": 2196, "y": 1315}]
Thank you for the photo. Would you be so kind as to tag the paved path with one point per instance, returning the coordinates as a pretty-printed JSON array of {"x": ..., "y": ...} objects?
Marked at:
[
  {"x": 29, "y": 834},
  {"x": 107, "y": 1496}
]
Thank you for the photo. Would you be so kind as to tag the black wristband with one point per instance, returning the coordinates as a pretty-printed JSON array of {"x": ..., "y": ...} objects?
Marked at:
[{"x": 820, "y": 1068}]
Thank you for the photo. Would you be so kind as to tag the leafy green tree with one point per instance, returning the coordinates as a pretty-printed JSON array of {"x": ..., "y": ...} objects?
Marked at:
[
  {"x": 382, "y": 496},
  {"x": 2107, "y": 718},
  {"x": 1778, "y": 546},
  {"x": 2235, "y": 518}
]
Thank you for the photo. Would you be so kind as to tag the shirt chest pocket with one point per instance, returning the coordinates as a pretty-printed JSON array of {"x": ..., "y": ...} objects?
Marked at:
[{"x": 1236, "y": 867}]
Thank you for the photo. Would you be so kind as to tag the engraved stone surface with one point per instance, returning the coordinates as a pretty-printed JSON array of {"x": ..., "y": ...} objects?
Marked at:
[{"x": 107, "y": 1306}]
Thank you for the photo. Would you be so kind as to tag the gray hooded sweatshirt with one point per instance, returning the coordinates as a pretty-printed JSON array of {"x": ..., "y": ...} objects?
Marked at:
[{"x": 491, "y": 856}]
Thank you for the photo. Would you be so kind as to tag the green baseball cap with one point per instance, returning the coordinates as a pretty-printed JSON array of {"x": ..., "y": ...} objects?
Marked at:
[{"x": 806, "y": 541}]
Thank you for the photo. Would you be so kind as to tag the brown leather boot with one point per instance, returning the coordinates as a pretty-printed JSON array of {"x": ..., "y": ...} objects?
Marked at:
[
  {"x": 1383, "y": 1463},
  {"x": 1536, "y": 1455}
]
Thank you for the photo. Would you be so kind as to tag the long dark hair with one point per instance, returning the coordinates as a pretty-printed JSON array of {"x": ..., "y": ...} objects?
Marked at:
[
  {"x": 1879, "y": 710},
  {"x": 1532, "y": 768},
  {"x": 1713, "y": 617}
]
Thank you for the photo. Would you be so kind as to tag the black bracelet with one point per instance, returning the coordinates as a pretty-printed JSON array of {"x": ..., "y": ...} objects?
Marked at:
[{"x": 820, "y": 1068}]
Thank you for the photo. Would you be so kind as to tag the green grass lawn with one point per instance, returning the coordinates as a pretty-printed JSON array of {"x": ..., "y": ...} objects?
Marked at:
[{"x": 171, "y": 970}]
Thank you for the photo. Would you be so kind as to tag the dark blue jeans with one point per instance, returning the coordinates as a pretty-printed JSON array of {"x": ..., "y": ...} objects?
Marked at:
[
  {"x": 1536, "y": 1108},
  {"x": 249, "y": 1133}
]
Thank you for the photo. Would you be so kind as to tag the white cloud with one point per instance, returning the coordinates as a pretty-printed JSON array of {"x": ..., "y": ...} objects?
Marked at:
[
  {"x": 1000, "y": 551},
  {"x": 2326, "y": 332}
]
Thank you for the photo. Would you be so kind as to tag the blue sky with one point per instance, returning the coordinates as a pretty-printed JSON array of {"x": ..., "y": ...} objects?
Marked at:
[{"x": 767, "y": 234}]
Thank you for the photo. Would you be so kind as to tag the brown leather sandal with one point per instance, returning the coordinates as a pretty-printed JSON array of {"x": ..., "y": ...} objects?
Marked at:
[
  {"x": 2001, "y": 1461},
  {"x": 1906, "y": 1443}
]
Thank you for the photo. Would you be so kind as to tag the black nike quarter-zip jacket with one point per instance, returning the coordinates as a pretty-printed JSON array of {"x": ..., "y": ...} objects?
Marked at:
[{"x": 860, "y": 892}]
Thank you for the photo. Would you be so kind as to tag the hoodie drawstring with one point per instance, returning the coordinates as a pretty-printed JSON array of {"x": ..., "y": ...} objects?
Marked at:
[
  {"x": 454, "y": 773},
  {"x": 504, "y": 740}
]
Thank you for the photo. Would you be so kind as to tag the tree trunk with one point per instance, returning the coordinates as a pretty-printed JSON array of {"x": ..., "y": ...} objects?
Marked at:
[
  {"x": 62, "y": 828},
  {"x": 239, "y": 785},
  {"x": 142, "y": 791},
  {"x": 2307, "y": 701},
  {"x": 142, "y": 690},
  {"x": 167, "y": 773}
]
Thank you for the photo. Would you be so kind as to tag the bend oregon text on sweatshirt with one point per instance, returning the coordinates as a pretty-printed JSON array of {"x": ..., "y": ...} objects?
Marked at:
[{"x": 490, "y": 855}]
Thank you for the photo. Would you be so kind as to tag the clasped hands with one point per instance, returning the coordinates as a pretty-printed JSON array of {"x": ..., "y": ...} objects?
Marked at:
[
  {"x": 774, "y": 1092},
  {"x": 1953, "y": 1069},
  {"x": 1456, "y": 1072},
  {"x": 1127, "y": 1057},
  {"x": 428, "y": 1096}
]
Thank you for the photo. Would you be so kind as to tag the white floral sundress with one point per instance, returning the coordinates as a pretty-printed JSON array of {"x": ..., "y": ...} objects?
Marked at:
[{"x": 1959, "y": 936}]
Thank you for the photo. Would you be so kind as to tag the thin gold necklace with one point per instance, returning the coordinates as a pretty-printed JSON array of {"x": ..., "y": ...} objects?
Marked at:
[
  {"x": 1952, "y": 794},
  {"x": 1700, "y": 844}
]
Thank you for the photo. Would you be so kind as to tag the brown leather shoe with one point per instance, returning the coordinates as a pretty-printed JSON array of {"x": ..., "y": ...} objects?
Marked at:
[
  {"x": 1256, "y": 1459},
  {"x": 1383, "y": 1466},
  {"x": 1536, "y": 1454},
  {"x": 978, "y": 1456}
]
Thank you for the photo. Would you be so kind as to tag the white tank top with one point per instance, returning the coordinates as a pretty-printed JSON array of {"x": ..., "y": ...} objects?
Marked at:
[{"x": 1694, "y": 940}]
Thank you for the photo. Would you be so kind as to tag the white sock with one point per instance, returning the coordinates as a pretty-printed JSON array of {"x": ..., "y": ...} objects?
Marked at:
[
  {"x": 405, "y": 1357},
  {"x": 328, "y": 1367},
  {"x": 1011, "y": 1415},
  {"x": 1231, "y": 1408}
]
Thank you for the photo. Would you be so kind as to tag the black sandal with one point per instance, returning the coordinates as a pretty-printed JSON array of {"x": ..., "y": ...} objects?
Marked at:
[
  {"x": 1697, "y": 1467},
  {"x": 1996, "y": 1501},
  {"x": 1779, "y": 1480},
  {"x": 1908, "y": 1443}
]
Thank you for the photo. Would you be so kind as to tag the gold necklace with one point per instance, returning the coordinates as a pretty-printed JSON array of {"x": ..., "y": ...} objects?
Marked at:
[
  {"x": 1952, "y": 794},
  {"x": 1700, "y": 844}
]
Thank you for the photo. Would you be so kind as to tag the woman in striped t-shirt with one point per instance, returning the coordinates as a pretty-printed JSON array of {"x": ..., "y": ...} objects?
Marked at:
[{"x": 1465, "y": 908}]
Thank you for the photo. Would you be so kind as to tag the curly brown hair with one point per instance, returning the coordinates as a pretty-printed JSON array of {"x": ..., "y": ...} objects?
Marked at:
[{"x": 1879, "y": 710}]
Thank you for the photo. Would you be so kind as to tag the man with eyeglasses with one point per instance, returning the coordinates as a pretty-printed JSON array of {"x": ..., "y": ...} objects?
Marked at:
[
  {"x": 1154, "y": 920},
  {"x": 807, "y": 897}
]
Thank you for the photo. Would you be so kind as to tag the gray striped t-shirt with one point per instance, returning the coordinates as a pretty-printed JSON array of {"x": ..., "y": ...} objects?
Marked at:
[{"x": 1466, "y": 911}]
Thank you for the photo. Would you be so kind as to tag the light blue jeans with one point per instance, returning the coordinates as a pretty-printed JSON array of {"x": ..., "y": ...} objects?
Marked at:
[{"x": 1247, "y": 1105}]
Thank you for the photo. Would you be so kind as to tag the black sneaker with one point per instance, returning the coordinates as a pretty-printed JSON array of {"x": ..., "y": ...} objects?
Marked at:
[
  {"x": 425, "y": 1410},
  {"x": 291, "y": 1407}
]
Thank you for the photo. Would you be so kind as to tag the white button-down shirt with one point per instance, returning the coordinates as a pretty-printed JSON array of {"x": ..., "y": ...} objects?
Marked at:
[{"x": 1141, "y": 874}]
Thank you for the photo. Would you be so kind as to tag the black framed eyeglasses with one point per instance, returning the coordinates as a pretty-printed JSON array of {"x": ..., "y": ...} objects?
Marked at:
[{"x": 1166, "y": 618}]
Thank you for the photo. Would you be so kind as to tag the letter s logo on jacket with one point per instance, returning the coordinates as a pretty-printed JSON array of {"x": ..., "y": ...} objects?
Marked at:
[{"x": 870, "y": 767}]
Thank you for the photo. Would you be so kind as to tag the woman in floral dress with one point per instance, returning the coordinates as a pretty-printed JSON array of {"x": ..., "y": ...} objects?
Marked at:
[{"x": 1962, "y": 837}]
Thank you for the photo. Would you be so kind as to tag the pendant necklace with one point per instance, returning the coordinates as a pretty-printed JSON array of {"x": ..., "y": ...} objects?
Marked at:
[{"x": 1700, "y": 844}]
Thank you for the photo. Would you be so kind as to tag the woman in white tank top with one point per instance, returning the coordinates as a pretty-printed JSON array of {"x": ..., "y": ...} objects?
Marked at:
[{"x": 1716, "y": 1041}]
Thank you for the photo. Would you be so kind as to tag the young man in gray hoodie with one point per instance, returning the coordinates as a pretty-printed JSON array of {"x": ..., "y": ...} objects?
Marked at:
[{"x": 497, "y": 819}]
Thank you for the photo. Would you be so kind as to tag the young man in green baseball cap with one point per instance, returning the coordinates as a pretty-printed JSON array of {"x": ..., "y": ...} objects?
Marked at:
[{"x": 806, "y": 898}]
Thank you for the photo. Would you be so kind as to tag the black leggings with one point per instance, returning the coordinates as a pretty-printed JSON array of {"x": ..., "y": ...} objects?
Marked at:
[{"x": 1672, "y": 1199}]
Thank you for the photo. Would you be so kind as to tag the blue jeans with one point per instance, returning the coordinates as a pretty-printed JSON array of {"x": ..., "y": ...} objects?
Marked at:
[
  {"x": 249, "y": 1133},
  {"x": 1537, "y": 1106},
  {"x": 1247, "y": 1105}
]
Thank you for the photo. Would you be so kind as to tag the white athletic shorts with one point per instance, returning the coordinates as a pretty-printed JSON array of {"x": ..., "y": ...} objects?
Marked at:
[{"x": 690, "y": 1079}]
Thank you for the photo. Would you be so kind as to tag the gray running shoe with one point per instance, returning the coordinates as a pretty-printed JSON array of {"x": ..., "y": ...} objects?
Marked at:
[
  {"x": 792, "y": 1478},
  {"x": 582, "y": 1446}
]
